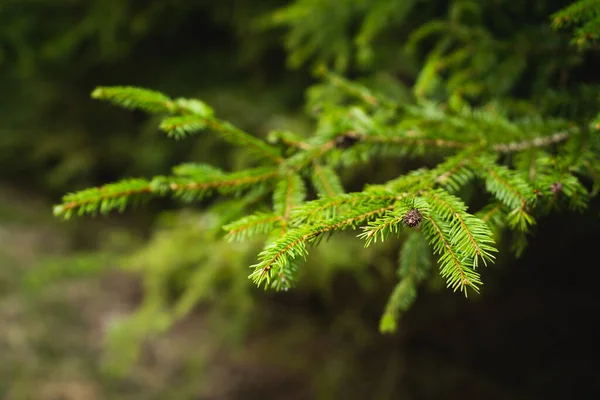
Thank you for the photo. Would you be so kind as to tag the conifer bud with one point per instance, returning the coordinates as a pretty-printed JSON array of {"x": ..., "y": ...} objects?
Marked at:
[
  {"x": 346, "y": 140},
  {"x": 413, "y": 218},
  {"x": 556, "y": 187}
]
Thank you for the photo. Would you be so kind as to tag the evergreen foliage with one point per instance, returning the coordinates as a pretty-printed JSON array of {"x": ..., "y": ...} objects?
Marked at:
[
  {"x": 518, "y": 156},
  {"x": 585, "y": 14},
  {"x": 357, "y": 129}
]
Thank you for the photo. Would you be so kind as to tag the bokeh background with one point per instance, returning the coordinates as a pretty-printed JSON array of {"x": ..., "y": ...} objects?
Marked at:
[{"x": 82, "y": 302}]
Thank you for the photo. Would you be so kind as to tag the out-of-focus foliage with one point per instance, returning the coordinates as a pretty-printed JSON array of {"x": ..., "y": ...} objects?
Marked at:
[
  {"x": 343, "y": 33},
  {"x": 54, "y": 52},
  {"x": 585, "y": 15}
]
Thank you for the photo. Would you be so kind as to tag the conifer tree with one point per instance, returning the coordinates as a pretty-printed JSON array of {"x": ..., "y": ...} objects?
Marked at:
[{"x": 460, "y": 121}]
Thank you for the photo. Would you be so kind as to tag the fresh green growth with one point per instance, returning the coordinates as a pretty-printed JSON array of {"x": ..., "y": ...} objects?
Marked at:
[
  {"x": 486, "y": 163},
  {"x": 423, "y": 202}
]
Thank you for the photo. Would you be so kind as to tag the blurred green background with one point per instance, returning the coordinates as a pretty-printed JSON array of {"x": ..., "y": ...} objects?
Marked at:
[{"x": 82, "y": 303}]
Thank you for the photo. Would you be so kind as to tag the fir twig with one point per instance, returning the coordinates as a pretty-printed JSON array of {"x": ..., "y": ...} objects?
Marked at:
[
  {"x": 279, "y": 255},
  {"x": 454, "y": 266},
  {"x": 531, "y": 143}
]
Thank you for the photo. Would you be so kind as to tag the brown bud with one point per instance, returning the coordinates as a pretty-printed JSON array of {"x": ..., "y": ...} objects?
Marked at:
[
  {"x": 556, "y": 187},
  {"x": 346, "y": 140},
  {"x": 413, "y": 218}
]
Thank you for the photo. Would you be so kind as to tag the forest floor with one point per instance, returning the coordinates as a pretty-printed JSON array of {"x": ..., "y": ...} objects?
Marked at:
[{"x": 52, "y": 332}]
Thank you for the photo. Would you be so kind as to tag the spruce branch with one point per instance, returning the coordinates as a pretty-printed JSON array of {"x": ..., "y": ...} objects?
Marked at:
[
  {"x": 412, "y": 138},
  {"x": 492, "y": 214},
  {"x": 289, "y": 139},
  {"x": 303, "y": 159},
  {"x": 116, "y": 196},
  {"x": 455, "y": 171},
  {"x": 198, "y": 187},
  {"x": 315, "y": 211},
  {"x": 382, "y": 227},
  {"x": 460, "y": 121},
  {"x": 567, "y": 186},
  {"x": 585, "y": 14},
  {"x": 197, "y": 170},
  {"x": 282, "y": 254},
  {"x": 540, "y": 141},
  {"x": 289, "y": 192},
  {"x": 393, "y": 220},
  {"x": 135, "y": 98},
  {"x": 422, "y": 178},
  {"x": 151, "y": 101},
  {"x": 252, "y": 225},
  {"x": 238, "y": 137},
  {"x": 403, "y": 296},
  {"x": 469, "y": 234},
  {"x": 509, "y": 188},
  {"x": 520, "y": 219},
  {"x": 415, "y": 257},
  {"x": 414, "y": 266},
  {"x": 188, "y": 116},
  {"x": 456, "y": 267},
  {"x": 506, "y": 185},
  {"x": 326, "y": 181},
  {"x": 413, "y": 141},
  {"x": 356, "y": 90},
  {"x": 181, "y": 126},
  {"x": 575, "y": 13}
]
